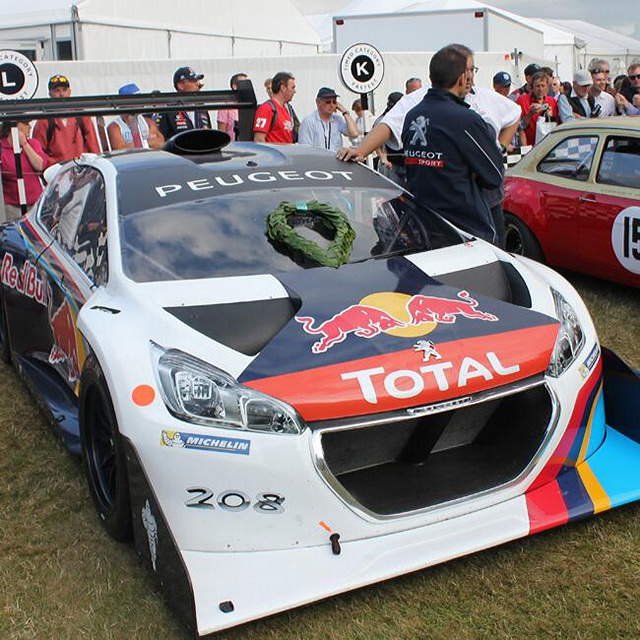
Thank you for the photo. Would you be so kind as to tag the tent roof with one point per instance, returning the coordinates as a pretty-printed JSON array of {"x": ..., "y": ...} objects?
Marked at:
[
  {"x": 323, "y": 23},
  {"x": 598, "y": 39},
  {"x": 240, "y": 18},
  {"x": 555, "y": 32}
]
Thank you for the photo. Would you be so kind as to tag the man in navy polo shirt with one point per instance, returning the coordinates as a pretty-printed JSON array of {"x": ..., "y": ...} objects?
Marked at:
[
  {"x": 184, "y": 79},
  {"x": 450, "y": 152}
]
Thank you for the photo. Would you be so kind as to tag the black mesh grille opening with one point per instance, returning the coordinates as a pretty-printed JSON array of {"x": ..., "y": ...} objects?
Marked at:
[{"x": 399, "y": 467}]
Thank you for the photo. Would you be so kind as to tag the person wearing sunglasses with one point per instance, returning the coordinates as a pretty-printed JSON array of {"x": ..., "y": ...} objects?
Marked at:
[
  {"x": 324, "y": 128},
  {"x": 628, "y": 98},
  {"x": 65, "y": 138}
]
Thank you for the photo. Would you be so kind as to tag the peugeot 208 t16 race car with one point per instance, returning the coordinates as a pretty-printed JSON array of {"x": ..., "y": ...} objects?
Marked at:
[{"x": 288, "y": 379}]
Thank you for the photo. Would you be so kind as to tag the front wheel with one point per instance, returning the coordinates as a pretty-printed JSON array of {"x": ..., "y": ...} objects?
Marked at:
[
  {"x": 103, "y": 453},
  {"x": 520, "y": 240}
]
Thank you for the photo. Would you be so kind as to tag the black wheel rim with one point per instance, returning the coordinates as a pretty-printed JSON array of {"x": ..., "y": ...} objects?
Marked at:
[
  {"x": 101, "y": 451},
  {"x": 513, "y": 240}
]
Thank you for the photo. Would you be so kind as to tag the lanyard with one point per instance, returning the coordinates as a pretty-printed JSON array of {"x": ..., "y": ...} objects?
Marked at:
[{"x": 327, "y": 137}]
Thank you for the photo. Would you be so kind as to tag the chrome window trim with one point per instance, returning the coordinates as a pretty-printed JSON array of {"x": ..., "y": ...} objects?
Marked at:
[{"x": 367, "y": 421}]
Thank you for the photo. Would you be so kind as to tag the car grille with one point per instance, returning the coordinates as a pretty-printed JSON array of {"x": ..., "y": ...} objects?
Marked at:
[{"x": 399, "y": 463}]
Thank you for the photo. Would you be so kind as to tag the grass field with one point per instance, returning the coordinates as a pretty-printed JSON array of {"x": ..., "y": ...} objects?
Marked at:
[{"x": 61, "y": 576}]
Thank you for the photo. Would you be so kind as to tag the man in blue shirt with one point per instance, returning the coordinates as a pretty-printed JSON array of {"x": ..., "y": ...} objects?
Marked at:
[
  {"x": 324, "y": 128},
  {"x": 581, "y": 104}
]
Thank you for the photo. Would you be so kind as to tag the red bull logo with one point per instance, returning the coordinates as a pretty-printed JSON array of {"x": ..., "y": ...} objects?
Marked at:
[
  {"x": 26, "y": 280},
  {"x": 65, "y": 345},
  {"x": 423, "y": 309},
  {"x": 393, "y": 313}
]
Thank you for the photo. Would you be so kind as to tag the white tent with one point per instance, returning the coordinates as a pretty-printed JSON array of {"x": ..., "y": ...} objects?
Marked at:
[
  {"x": 569, "y": 44},
  {"x": 155, "y": 29},
  {"x": 591, "y": 41}
]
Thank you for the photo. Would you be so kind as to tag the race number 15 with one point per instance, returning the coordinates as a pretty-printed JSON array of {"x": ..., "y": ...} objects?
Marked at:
[
  {"x": 625, "y": 238},
  {"x": 631, "y": 237}
]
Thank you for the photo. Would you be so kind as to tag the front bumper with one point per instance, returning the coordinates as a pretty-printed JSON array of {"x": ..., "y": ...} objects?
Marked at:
[{"x": 221, "y": 567}]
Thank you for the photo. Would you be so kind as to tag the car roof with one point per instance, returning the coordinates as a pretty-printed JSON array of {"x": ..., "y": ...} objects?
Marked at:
[
  {"x": 615, "y": 122},
  {"x": 148, "y": 179}
]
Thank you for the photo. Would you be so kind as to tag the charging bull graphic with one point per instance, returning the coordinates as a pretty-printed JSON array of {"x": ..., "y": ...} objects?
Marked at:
[
  {"x": 366, "y": 321},
  {"x": 361, "y": 320},
  {"x": 65, "y": 344},
  {"x": 443, "y": 310}
]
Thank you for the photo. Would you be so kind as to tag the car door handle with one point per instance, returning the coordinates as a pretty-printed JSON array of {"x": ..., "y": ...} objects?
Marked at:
[{"x": 587, "y": 199}]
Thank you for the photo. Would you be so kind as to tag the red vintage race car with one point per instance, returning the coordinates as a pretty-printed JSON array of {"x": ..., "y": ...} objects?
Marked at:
[{"x": 574, "y": 200}]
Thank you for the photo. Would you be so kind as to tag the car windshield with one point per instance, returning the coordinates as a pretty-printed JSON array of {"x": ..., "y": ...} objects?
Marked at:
[{"x": 236, "y": 235}]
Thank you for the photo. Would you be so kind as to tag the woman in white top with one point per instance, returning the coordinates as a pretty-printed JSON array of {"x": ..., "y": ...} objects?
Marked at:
[{"x": 133, "y": 131}]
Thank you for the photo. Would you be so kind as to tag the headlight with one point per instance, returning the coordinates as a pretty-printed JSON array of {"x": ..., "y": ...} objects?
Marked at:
[
  {"x": 200, "y": 393},
  {"x": 570, "y": 337}
]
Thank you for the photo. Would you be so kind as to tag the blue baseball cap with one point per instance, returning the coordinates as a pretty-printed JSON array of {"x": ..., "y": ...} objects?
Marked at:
[
  {"x": 502, "y": 79},
  {"x": 129, "y": 89}
]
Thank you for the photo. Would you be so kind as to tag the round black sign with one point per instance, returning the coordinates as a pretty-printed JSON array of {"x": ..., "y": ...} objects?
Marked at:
[
  {"x": 18, "y": 76},
  {"x": 11, "y": 79},
  {"x": 362, "y": 68}
]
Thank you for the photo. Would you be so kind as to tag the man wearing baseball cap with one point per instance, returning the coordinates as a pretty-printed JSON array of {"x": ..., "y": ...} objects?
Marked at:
[
  {"x": 65, "y": 138},
  {"x": 580, "y": 104},
  {"x": 502, "y": 83},
  {"x": 529, "y": 70},
  {"x": 324, "y": 128},
  {"x": 185, "y": 79}
]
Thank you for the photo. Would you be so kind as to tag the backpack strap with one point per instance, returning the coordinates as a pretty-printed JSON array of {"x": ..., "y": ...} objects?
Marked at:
[
  {"x": 51, "y": 125},
  {"x": 274, "y": 114}
]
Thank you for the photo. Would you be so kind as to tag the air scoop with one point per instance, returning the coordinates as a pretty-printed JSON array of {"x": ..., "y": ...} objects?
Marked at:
[{"x": 197, "y": 142}]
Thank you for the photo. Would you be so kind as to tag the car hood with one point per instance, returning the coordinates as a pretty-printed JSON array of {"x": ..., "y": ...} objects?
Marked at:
[{"x": 381, "y": 336}]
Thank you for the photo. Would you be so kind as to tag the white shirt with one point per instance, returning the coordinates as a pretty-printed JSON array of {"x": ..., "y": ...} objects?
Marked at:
[
  {"x": 127, "y": 135},
  {"x": 607, "y": 103},
  {"x": 495, "y": 110},
  {"x": 320, "y": 134}
]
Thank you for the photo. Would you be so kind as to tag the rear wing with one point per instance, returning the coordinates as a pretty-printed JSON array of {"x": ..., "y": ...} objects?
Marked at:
[{"x": 11, "y": 111}]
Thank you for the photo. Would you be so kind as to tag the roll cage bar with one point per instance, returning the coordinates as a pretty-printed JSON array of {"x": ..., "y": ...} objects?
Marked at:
[{"x": 243, "y": 99}]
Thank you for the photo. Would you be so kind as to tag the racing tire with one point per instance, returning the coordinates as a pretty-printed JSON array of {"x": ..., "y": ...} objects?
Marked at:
[
  {"x": 103, "y": 453},
  {"x": 5, "y": 345},
  {"x": 520, "y": 240}
]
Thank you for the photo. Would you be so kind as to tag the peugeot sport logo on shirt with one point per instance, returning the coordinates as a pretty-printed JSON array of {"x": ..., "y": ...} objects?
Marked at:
[{"x": 419, "y": 129}]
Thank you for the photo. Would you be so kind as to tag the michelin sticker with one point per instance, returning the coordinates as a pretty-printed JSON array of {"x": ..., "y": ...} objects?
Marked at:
[
  {"x": 625, "y": 238},
  {"x": 181, "y": 440}
]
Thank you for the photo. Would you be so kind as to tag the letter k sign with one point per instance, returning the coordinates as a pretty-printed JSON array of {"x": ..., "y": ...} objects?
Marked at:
[{"x": 361, "y": 69}]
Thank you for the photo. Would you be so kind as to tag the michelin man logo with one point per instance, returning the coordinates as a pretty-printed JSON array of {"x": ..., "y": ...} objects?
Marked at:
[
  {"x": 151, "y": 526},
  {"x": 419, "y": 128},
  {"x": 428, "y": 349},
  {"x": 172, "y": 439}
]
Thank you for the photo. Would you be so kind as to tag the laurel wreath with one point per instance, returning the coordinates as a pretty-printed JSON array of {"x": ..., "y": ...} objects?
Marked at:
[{"x": 339, "y": 249}]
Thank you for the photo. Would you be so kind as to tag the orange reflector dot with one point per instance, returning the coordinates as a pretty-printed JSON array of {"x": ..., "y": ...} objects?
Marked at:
[{"x": 143, "y": 395}]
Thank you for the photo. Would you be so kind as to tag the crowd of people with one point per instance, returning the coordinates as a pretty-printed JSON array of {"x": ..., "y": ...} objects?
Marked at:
[
  {"x": 494, "y": 121},
  {"x": 546, "y": 101}
]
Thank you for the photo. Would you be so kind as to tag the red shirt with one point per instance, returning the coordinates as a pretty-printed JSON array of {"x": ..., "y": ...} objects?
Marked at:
[
  {"x": 282, "y": 131},
  {"x": 525, "y": 101},
  {"x": 66, "y": 141},
  {"x": 32, "y": 184}
]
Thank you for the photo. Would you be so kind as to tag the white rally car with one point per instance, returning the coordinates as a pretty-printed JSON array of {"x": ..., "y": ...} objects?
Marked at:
[{"x": 287, "y": 379}]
